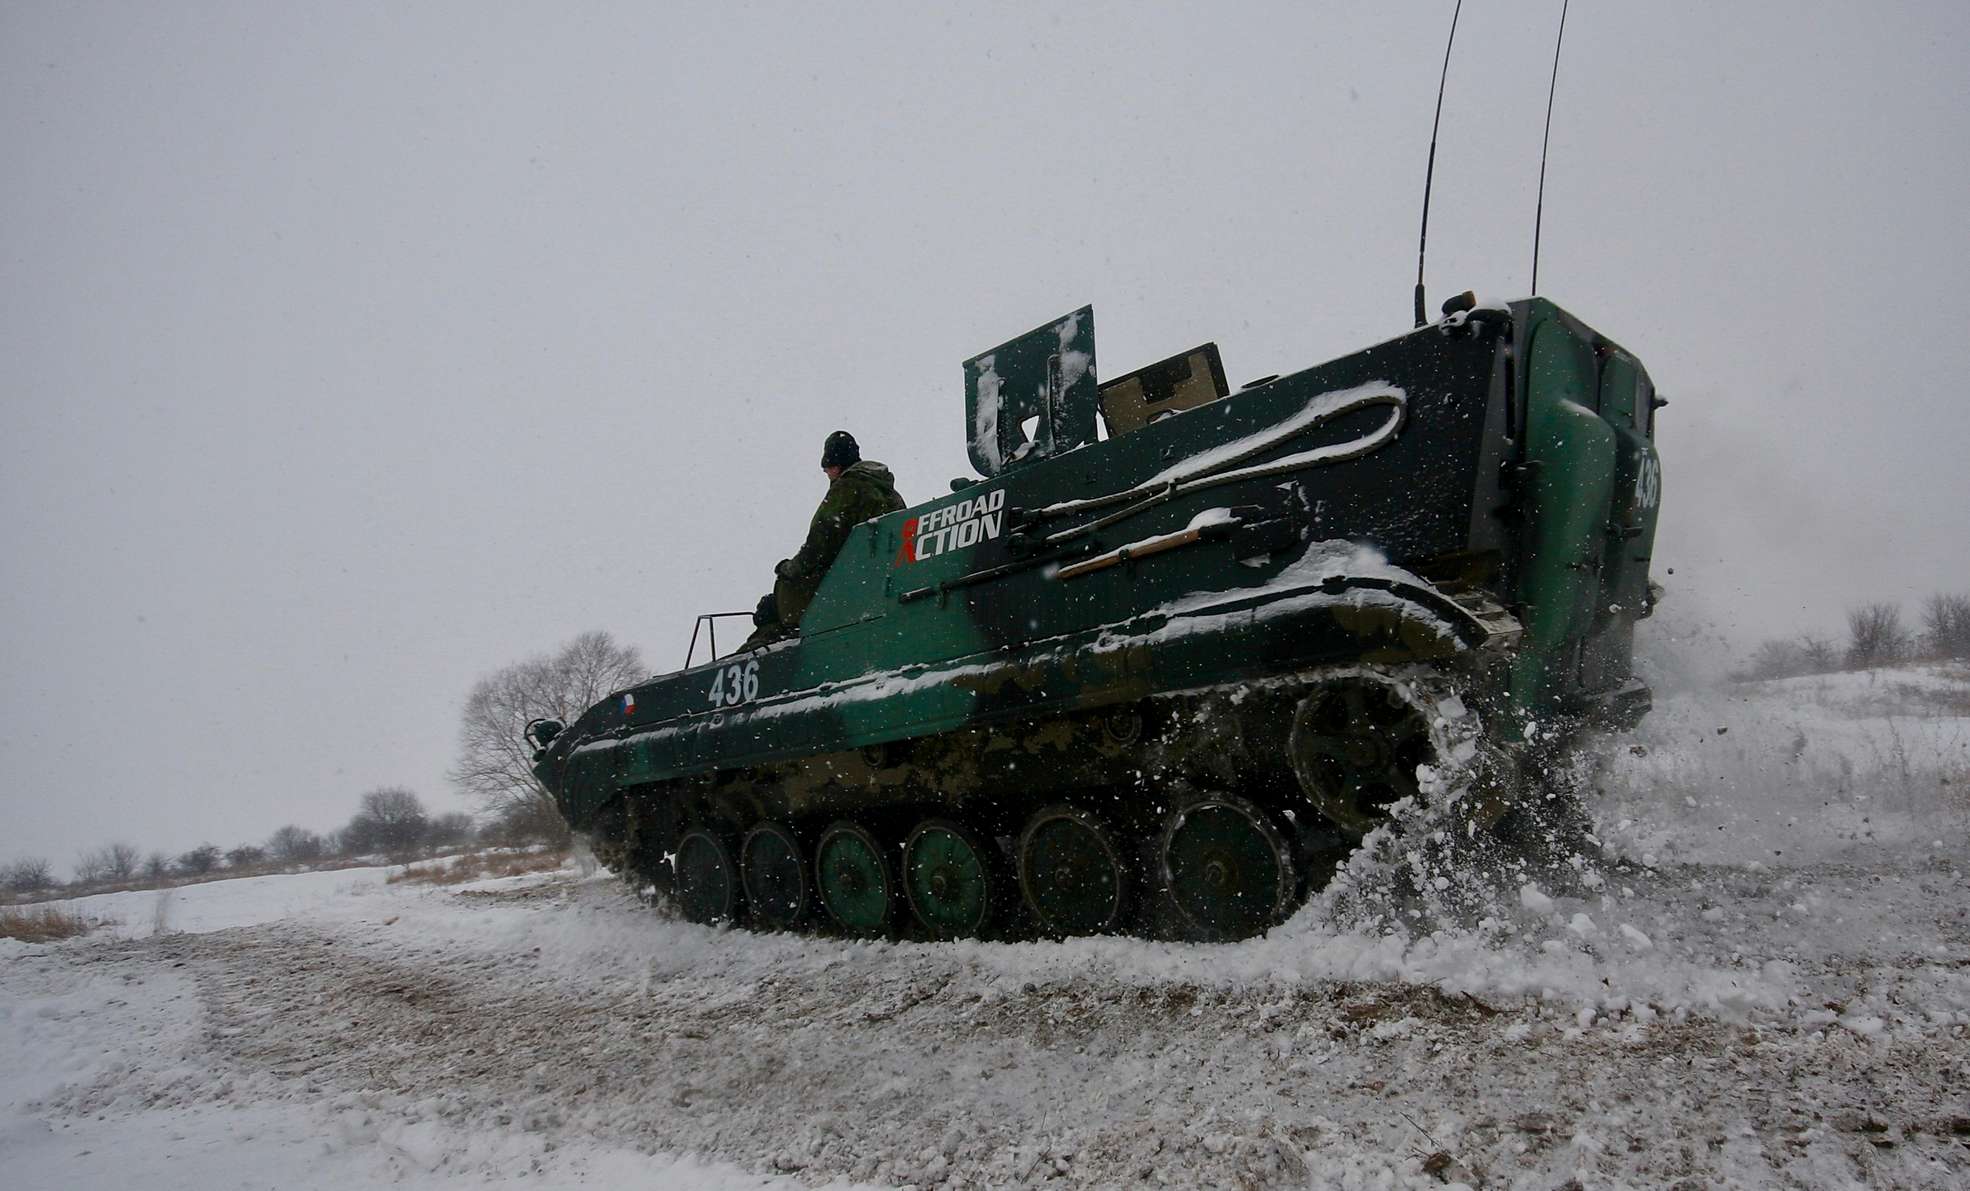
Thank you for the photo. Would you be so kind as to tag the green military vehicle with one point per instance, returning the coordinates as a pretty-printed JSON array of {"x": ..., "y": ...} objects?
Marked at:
[{"x": 1175, "y": 652}]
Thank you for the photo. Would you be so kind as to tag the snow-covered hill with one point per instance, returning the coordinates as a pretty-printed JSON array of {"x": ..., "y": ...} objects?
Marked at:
[{"x": 1762, "y": 977}]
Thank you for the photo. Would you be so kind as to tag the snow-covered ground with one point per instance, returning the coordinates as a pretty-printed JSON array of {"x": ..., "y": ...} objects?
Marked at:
[
  {"x": 119, "y": 1068},
  {"x": 1762, "y": 978}
]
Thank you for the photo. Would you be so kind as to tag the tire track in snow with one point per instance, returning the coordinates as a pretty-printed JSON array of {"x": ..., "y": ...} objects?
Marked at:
[{"x": 909, "y": 1065}]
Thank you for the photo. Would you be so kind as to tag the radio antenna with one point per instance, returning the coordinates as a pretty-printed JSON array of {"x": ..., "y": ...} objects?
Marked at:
[
  {"x": 1539, "y": 213},
  {"x": 1429, "y": 175}
]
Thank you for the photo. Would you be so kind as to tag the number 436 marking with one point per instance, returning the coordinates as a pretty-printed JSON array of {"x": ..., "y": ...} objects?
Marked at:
[{"x": 735, "y": 684}]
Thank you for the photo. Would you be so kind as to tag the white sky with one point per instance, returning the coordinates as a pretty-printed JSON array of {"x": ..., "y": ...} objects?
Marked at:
[{"x": 351, "y": 351}]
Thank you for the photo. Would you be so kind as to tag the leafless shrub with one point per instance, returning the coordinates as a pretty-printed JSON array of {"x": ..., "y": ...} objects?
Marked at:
[
  {"x": 1818, "y": 654},
  {"x": 200, "y": 860},
  {"x": 157, "y": 866},
  {"x": 296, "y": 845},
  {"x": 480, "y": 866},
  {"x": 32, "y": 875},
  {"x": 1774, "y": 659},
  {"x": 1875, "y": 636},
  {"x": 111, "y": 862},
  {"x": 523, "y": 823},
  {"x": 391, "y": 820},
  {"x": 450, "y": 830},
  {"x": 495, "y": 764},
  {"x": 43, "y": 924},
  {"x": 245, "y": 856},
  {"x": 1946, "y": 625}
]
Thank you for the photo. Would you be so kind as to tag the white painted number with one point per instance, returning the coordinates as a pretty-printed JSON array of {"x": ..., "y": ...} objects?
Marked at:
[
  {"x": 732, "y": 685},
  {"x": 1648, "y": 482}
]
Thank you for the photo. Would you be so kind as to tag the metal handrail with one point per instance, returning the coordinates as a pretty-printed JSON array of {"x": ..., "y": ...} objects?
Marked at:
[{"x": 707, "y": 623}]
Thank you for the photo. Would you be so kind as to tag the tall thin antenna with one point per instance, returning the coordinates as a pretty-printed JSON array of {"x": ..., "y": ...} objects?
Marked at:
[
  {"x": 1539, "y": 214},
  {"x": 1429, "y": 175}
]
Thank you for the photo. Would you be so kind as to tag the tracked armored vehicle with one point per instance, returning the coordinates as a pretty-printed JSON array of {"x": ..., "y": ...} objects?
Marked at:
[{"x": 1175, "y": 652}]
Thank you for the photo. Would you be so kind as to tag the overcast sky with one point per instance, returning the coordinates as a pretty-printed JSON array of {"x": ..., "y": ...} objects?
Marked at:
[{"x": 351, "y": 351}]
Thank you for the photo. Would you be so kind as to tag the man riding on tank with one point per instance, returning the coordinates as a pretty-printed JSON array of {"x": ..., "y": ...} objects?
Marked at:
[{"x": 858, "y": 490}]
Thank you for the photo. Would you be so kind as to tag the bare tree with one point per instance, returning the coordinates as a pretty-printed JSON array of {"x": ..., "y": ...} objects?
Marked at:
[
  {"x": 157, "y": 866},
  {"x": 245, "y": 855},
  {"x": 90, "y": 868},
  {"x": 1946, "y": 625},
  {"x": 1875, "y": 636},
  {"x": 1776, "y": 659},
  {"x": 111, "y": 862},
  {"x": 296, "y": 845},
  {"x": 200, "y": 860},
  {"x": 391, "y": 820},
  {"x": 31, "y": 875},
  {"x": 522, "y": 824},
  {"x": 450, "y": 830},
  {"x": 1818, "y": 654},
  {"x": 495, "y": 763}
]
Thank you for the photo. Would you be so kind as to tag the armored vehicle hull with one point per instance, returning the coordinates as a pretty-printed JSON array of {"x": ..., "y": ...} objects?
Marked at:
[{"x": 1162, "y": 680}]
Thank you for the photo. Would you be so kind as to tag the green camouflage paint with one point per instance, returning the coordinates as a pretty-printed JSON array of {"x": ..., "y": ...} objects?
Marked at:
[{"x": 972, "y": 651}]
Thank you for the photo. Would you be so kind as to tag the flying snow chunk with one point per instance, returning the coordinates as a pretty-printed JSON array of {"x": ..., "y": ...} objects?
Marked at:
[
  {"x": 1640, "y": 941},
  {"x": 1533, "y": 899}
]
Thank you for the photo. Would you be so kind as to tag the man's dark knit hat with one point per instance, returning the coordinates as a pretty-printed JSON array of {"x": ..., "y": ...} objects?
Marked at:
[{"x": 840, "y": 450}]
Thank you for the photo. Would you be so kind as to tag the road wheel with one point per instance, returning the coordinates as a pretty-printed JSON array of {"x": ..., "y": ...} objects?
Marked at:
[
  {"x": 1355, "y": 746},
  {"x": 951, "y": 878},
  {"x": 1227, "y": 870},
  {"x": 707, "y": 880},
  {"x": 1072, "y": 873},
  {"x": 852, "y": 875},
  {"x": 773, "y": 869}
]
